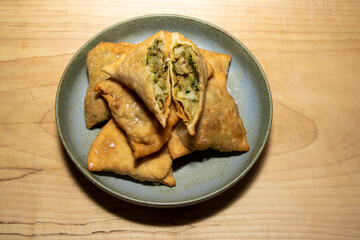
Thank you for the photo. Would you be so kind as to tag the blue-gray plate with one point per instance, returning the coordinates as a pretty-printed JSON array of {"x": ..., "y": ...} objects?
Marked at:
[{"x": 201, "y": 175}]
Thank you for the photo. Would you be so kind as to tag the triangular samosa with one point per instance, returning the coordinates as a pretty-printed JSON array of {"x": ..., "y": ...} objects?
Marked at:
[
  {"x": 104, "y": 53},
  {"x": 220, "y": 126},
  {"x": 111, "y": 151},
  {"x": 143, "y": 130}
]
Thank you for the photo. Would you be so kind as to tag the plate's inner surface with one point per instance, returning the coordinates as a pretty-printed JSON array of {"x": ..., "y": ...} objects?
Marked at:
[{"x": 198, "y": 175}]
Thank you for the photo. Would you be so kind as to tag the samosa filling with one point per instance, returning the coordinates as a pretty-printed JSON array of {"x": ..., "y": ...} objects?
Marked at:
[
  {"x": 157, "y": 62},
  {"x": 186, "y": 82}
]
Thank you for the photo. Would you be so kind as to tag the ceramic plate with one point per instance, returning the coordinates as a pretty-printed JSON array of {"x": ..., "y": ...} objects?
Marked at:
[{"x": 201, "y": 175}]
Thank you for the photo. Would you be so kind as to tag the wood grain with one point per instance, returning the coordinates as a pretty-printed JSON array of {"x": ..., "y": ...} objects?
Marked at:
[{"x": 306, "y": 185}]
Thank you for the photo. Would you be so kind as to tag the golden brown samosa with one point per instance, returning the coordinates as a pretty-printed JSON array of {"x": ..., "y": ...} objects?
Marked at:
[
  {"x": 189, "y": 74},
  {"x": 176, "y": 147},
  {"x": 96, "y": 110},
  {"x": 145, "y": 133},
  {"x": 145, "y": 69},
  {"x": 220, "y": 126},
  {"x": 110, "y": 151}
]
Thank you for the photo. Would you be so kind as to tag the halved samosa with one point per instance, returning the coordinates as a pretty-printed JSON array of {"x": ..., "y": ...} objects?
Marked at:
[
  {"x": 220, "y": 126},
  {"x": 189, "y": 74},
  {"x": 110, "y": 151},
  {"x": 145, "y": 133},
  {"x": 96, "y": 109},
  {"x": 145, "y": 69}
]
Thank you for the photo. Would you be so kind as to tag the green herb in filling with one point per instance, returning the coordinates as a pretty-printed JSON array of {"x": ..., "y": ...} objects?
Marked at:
[
  {"x": 158, "y": 66},
  {"x": 186, "y": 86},
  {"x": 185, "y": 66},
  {"x": 191, "y": 61}
]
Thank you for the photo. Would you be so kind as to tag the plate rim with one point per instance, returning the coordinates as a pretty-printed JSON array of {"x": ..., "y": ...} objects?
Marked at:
[{"x": 177, "y": 203}]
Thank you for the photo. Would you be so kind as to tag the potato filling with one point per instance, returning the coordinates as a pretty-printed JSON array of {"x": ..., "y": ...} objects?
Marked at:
[
  {"x": 186, "y": 82},
  {"x": 157, "y": 62}
]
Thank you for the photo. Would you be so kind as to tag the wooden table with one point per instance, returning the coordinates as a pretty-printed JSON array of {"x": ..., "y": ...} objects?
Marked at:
[{"x": 306, "y": 185}]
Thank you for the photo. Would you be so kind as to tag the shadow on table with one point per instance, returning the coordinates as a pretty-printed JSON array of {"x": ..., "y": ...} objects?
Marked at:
[{"x": 167, "y": 216}]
